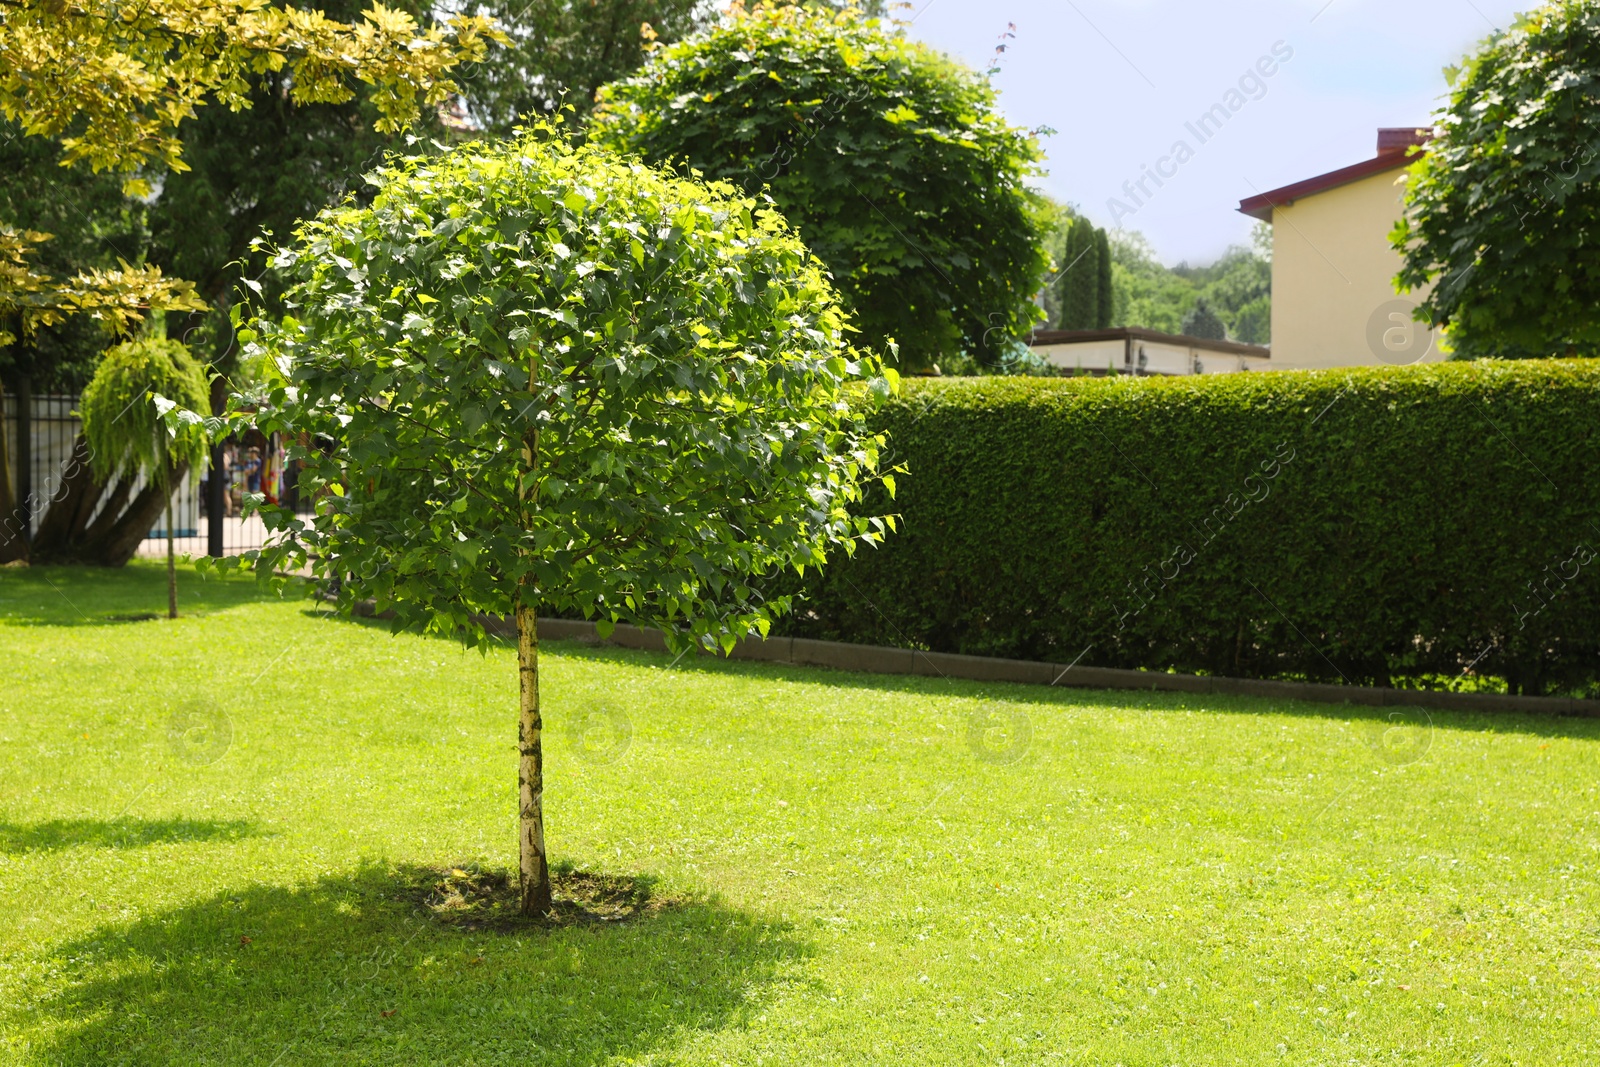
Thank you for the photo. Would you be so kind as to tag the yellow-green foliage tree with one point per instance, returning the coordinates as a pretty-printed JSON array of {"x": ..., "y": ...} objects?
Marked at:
[{"x": 113, "y": 83}]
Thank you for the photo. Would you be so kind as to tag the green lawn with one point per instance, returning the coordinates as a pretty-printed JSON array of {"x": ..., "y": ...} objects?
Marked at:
[{"x": 1156, "y": 880}]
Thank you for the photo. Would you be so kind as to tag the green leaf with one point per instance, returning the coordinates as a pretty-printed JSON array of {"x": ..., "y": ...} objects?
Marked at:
[
  {"x": 628, "y": 482},
  {"x": 848, "y": 163}
]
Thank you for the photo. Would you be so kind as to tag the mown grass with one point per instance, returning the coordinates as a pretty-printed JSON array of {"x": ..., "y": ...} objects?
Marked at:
[{"x": 212, "y": 833}]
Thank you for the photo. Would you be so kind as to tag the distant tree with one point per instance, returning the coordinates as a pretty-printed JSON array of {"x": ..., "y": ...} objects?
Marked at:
[
  {"x": 560, "y": 52},
  {"x": 890, "y": 159},
  {"x": 1252, "y": 324},
  {"x": 1058, "y": 226},
  {"x": 124, "y": 431},
  {"x": 1104, "y": 298},
  {"x": 1503, "y": 209},
  {"x": 1238, "y": 280},
  {"x": 1261, "y": 241},
  {"x": 1145, "y": 292},
  {"x": 1080, "y": 279},
  {"x": 1237, "y": 286},
  {"x": 585, "y": 388},
  {"x": 1201, "y": 321},
  {"x": 263, "y": 168}
]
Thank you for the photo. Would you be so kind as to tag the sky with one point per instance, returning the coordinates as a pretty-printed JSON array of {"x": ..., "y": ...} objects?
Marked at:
[{"x": 1118, "y": 80}]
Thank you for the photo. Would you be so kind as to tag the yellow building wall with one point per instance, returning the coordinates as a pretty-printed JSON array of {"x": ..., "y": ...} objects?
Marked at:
[{"x": 1333, "y": 298}]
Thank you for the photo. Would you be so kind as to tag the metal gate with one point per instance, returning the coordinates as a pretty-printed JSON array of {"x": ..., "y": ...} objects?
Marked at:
[{"x": 207, "y": 519}]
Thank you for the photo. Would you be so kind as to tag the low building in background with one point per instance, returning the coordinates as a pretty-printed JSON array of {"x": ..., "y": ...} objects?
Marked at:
[
  {"x": 1134, "y": 350},
  {"x": 1333, "y": 269}
]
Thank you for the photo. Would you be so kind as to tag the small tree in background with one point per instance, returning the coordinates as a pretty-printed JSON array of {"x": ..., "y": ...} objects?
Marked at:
[
  {"x": 1201, "y": 321},
  {"x": 125, "y": 433},
  {"x": 1252, "y": 324},
  {"x": 1081, "y": 302},
  {"x": 558, "y": 381},
  {"x": 1503, "y": 208},
  {"x": 1104, "y": 293},
  {"x": 890, "y": 159}
]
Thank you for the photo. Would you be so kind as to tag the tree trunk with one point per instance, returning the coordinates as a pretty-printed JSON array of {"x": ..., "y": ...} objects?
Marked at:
[
  {"x": 67, "y": 512},
  {"x": 172, "y": 564},
  {"x": 66, "y": 534},
  {"x": 216, "y": 508},
  {"x": 534, "y": 864}
]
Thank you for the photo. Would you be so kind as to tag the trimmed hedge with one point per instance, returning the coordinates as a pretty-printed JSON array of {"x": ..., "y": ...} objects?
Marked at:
[{"x": 1365, "y": 525}]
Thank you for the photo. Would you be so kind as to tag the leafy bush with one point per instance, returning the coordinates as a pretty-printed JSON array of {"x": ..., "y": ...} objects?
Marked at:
[
  {"x": 1375, "y": 525},
  {"x": 1504, "y": 206},
  {"x": 890, "y": 159},
  {"x": 124, "y": 432},
  {"x": 124, "y": 437}
]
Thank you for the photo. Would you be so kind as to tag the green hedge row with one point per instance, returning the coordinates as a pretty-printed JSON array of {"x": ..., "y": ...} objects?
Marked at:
[{"x": 1370, "y": 525}]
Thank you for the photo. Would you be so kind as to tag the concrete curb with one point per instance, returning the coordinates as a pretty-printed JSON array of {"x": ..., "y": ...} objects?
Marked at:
[
  {"x": 873, "y": 659},
  {"x": 876, "y": 659}
]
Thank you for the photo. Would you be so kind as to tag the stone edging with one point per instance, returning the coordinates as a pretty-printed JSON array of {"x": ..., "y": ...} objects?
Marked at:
[{"x": 874, "y": 659}]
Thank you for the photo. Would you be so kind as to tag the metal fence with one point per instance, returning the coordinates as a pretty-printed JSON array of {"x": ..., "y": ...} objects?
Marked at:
[{"x": 208, "y": 519}]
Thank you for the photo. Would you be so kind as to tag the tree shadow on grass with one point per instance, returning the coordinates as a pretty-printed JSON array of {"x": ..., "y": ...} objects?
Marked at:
[
  {"x": 135, "y": 595},
  {"x": 1044, "y": 696},
  {"x": 356, "y": 969},
  {"x": 1539, "y": 724},
  {"x": 56, "y": 834}
]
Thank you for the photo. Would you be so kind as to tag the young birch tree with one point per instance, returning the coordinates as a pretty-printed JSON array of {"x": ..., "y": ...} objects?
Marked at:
[{"x": 550, "y": 379}]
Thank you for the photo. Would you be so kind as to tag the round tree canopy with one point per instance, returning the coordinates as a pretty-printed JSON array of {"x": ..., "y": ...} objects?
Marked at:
[
  {"x": 1503, "y": 207},
  {"x": 890, "y": 159},
  {"x": 541, "y": 372},
  {"x": 122, "y": 426}
]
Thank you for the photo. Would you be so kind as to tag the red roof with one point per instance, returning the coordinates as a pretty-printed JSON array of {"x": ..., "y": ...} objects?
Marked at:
[{"x": 1394, "y": 146}]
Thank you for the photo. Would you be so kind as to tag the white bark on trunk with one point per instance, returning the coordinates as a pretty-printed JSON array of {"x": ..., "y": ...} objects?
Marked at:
[
  {"x": 172, "y": 565},
  {"x": 534, "y": 865}
]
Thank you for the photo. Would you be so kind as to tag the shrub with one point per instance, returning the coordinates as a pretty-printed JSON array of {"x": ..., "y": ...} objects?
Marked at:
[
  {"x": 1498, "y": 235},
  {"x": 1374, "y": 524},
  {"x": 890, "y": 159},
  {"x": 124, "y": 433}
]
